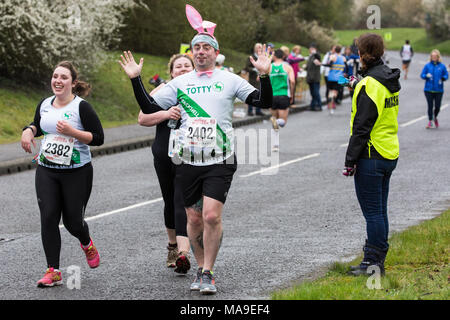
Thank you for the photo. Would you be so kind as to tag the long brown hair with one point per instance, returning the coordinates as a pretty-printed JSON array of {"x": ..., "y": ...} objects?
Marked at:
[
  {"x": 174, "y": 58},
  {"x": 81, "y": 88},
  {"x": 371, "y": 48}
]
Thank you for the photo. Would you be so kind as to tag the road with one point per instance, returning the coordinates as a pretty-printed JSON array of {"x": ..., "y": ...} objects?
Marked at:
[{"x": 280, "y": 227}]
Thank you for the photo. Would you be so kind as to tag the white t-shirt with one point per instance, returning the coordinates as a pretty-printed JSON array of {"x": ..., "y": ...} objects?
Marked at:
[
  {"x": 406, "y": 52},
  {"x": 206, "y": 97},
  {"x": 49, "y": 118}
]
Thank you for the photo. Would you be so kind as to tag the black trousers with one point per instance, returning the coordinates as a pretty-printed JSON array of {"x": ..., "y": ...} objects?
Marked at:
[
  {"x": 62, "y": 192},
  {"x": 174, "y": 212}
]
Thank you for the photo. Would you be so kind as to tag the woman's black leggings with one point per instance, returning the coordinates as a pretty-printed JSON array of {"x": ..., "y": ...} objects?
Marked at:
[
  {"x": 433, "y": 98},
  {"x": 63, "y": 192},
  {"x": 174, "y": 211}
]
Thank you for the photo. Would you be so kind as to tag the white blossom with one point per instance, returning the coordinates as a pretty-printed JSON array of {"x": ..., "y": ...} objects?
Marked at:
[{"x": 37, "y": 34}]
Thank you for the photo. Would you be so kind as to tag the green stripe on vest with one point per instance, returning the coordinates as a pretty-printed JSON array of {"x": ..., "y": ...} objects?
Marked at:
[
  {"x": 383, "y": 136},
  {"x": 195, "y": 111}
]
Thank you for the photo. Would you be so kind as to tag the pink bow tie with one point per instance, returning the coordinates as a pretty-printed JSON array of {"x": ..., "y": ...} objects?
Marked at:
[{"x": 208, "y": 73}]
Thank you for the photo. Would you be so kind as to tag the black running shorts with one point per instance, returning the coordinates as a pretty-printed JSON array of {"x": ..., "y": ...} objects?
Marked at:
[
  {"x": 212, "y": 181},
  {"x": 333, "y": 85},
  {"x": 281, "y": 102}
]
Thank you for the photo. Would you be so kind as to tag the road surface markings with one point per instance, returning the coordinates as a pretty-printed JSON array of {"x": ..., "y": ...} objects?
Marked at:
[
  {"x": 420, "y": 118},
  {"x": 280, "y": 165},
  {"x": 138, "y": 205}
]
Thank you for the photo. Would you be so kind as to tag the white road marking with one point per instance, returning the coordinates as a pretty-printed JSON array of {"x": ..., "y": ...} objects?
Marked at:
[
  {"x": 102, "y": 215},
  {"x": 420, "y": 118},
  {"x": 280, "y": 165}
]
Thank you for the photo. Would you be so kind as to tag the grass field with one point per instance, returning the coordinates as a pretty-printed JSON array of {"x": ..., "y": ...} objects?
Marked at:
[
  {"x": 417, "y": 268},
  {"x": 111, "y": 96},
  {"x": 395, "y": 38}
]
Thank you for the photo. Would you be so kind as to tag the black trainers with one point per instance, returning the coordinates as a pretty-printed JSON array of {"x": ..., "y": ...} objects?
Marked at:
[{"x": 208, "y": 284}]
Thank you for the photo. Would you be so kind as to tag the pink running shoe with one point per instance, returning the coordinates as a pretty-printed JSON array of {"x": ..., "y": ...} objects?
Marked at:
[
  {"x": 430, "y": 125},
  {"x": 51, "y": 278},
  {"x": 92, "y": 256},
  {"x": 436, "y": 123}
]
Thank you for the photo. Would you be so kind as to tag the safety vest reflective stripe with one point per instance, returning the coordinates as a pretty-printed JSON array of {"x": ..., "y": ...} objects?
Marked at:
[{"x": 383, "y": 136}]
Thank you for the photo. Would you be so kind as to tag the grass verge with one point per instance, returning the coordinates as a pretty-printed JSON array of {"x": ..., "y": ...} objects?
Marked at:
[
  {"x": 112, "y": 96},
  {"x": 417, "y": 268},
  {"x": 395, "y": 38}
]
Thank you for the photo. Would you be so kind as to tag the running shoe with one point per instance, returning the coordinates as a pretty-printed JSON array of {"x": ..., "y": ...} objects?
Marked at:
[
  {"x": 51, "y": 278},
  {"x": 430, "y": 125},
  {"x": 172, "y": 256},
  {"x": 92, "y": 256},
  {"x": 208, "y": 284},
  {"x": 274, "y": 123},
  {"x": 195, "y": 286},
  {"x": 182, "y": 264},
  {"x": 436, "y": 123}
]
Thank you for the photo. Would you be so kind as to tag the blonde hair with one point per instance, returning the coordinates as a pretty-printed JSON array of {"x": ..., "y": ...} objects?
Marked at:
[
  {"x": 438, "y": 54},
  {"x": 174, "y": 58},
  {"x": 285, "y": 50},
  {"x": 297, "y": 47}
]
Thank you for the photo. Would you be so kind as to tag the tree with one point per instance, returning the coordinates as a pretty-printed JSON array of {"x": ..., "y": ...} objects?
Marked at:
[{"x": 37, "y": 34}]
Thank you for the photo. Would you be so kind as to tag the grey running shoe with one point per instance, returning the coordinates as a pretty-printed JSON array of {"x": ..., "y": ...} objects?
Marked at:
[
  {"x": 172, "y": 256},
  {"x": 195, "y": 286},
  {"x": 208, "y": 283},
  {"x": 182, "y": 263}
]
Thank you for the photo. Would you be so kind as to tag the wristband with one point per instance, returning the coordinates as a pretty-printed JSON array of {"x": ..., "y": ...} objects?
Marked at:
[
  {"x": 28, "y": 127},
  {"x": 262, "y": 76}
]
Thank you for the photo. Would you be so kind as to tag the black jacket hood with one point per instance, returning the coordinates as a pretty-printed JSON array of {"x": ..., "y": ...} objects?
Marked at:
[{"x": 385, "y": 75}]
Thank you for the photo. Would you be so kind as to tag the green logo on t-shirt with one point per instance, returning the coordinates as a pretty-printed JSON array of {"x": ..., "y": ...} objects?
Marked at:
[{"x": 218, "y": 86}]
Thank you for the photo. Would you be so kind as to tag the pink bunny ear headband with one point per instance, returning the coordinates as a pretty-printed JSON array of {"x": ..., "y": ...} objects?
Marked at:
[{"x": 205, "y": 28}]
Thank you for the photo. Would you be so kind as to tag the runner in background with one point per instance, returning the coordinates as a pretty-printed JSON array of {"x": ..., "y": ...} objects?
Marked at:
[
  {"x": 406, "y": 53},
  {"x": 174, "y": 214},
  {"x": 337, "y": 65},
  {"x": 282, "y": 80},
  {"x": 434, "y": 73},
  {"x": 64, "y": 175}
]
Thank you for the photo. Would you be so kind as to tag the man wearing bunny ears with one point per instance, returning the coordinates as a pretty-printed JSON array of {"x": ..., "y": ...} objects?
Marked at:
[{"x": 205, "y": 143}]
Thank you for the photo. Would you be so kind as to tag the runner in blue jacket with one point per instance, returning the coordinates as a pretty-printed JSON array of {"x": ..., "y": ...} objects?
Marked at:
[{"x": 434, "y": 73}]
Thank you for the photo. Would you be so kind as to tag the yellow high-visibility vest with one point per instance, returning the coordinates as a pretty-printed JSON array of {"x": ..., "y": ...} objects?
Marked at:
[{"x": 383, "y": 136}]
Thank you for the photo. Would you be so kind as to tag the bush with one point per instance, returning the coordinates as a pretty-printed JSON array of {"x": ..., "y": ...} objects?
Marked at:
[
  {"x": 439, "y": 20},
  {"x": 161, "y": 29},
  {"x": 36, "y": 34},
  {"x": 300, "y": 31}
]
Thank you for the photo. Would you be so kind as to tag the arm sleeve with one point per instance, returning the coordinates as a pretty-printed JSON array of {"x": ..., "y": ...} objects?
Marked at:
[
  {"x": 423, "y": 75},
  {"x": 445, "y": 75},
  {"x": 261, "y": 98},
  {"x": 146, "y": 102},
  {"x": 91, "y": 123},
  {"x": 37, "y": 120},
  {"x": 365, "y": 118},
  {"x": 295, "y": 60}
]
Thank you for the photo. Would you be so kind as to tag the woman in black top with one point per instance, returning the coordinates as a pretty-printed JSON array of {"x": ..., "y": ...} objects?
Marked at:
[
  {"x": 64, "y": 175},
  {"x": 174, "y": 212}
]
